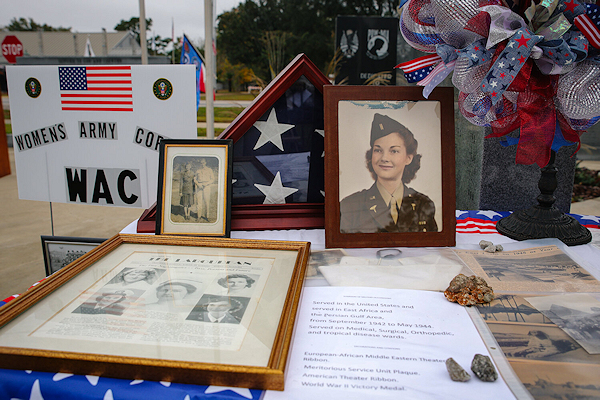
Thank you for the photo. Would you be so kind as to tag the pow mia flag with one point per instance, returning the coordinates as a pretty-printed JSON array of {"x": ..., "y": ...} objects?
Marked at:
[{"x": 368, "y": 46}]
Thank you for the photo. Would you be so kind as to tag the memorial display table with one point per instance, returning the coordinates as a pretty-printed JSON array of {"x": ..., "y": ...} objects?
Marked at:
[{"x": 472, "y": 227}]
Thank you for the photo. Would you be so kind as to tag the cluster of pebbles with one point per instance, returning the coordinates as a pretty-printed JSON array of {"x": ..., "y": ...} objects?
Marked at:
[{"x": 481, "y": 366}]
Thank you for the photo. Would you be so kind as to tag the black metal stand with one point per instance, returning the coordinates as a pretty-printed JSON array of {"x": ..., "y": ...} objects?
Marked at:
[{"x": 544, "y": 220}]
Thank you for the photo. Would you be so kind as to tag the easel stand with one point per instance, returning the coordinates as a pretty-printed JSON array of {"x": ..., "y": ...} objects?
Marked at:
[{"x": 544, "y": 220}]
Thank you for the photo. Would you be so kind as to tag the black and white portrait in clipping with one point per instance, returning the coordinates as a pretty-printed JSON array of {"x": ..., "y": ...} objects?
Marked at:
[{"x": 390, "y": 177}]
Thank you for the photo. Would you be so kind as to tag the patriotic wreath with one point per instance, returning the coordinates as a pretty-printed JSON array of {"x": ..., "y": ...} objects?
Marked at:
[{"x": 516, "y": 65}]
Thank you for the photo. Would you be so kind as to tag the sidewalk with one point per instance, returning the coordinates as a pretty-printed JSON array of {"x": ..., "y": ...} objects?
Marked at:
[{"x": 24, "y": 221}]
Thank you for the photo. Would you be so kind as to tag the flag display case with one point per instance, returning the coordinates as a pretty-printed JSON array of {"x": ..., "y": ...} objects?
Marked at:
[{"x": 278, "y": 153}]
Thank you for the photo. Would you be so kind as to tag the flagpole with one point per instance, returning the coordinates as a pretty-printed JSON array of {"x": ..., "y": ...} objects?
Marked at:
[
  {"x": 173, "y": 40},
  {"x": 210, "y": 72},
  {"x": 143, "y": 32}
]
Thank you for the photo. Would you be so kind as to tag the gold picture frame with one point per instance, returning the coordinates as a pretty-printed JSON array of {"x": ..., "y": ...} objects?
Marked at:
[{"x": 159, "y": 329}]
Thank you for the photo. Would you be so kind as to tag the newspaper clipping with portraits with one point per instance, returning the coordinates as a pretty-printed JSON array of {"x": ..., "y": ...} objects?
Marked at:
[{"x": 176, "y": 300}]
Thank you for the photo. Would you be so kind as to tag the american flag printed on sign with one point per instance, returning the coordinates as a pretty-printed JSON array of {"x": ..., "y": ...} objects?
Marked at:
[{"x": 97, "y": 88}]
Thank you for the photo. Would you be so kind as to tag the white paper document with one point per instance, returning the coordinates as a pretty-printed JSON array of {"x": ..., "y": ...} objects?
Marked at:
[{"x": 364, "y": 343}]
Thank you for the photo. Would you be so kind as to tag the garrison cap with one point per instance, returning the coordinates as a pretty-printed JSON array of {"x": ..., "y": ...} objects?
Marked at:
[{"x": 383, "y": 125}]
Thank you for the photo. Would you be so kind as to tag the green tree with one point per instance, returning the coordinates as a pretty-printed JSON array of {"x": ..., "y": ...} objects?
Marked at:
[
  {"x": 133, "y": 26},
  {"x": 22, "y": 24},
  {"x": 235, "y": 75},
  {"x": 309, "y": 26}
]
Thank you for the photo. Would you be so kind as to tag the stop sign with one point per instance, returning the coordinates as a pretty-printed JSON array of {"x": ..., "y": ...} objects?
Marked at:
[{"x": 12, "y": 48}]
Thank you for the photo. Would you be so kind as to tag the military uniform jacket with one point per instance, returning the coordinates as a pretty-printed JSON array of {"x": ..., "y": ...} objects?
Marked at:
[{"x": 366, "y": 212}]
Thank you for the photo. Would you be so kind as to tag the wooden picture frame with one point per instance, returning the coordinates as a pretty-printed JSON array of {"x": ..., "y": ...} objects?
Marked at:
[
  {"x": 154, "y": 334},
  {"x": 355, "y": 116},
  {"x": 60, "y": 251},
  {"x": 296, "y": 214},
  {"x": 194, "y": 188}
]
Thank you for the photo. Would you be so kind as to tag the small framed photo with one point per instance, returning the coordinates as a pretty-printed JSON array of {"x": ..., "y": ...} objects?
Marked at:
[
  {"x": 60, "y": 251},
  {"x": 389, "y": 162},
  {"x": 194, "y": 188}
]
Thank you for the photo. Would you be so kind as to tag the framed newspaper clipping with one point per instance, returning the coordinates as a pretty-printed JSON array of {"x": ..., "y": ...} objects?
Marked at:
[
  {"x": 184, "y": 309},
  {"x": 389, "y": 167},
  {"x": 194, "y": 188}
]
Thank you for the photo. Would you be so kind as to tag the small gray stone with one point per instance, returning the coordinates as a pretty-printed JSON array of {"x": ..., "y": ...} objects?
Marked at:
[
  {"x": 493, "y": 248},
  {"x": 484, "y": 243},
  {"x": 457, "y": 373},
  {"x": 483, "y": 368}
]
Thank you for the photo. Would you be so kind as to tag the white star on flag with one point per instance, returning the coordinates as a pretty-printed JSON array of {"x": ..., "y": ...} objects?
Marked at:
[
  {"x": 322, "y": 133},
  {"x": 490, "y": 214},
  {"x": 241, "y": 391},
  {"x": 36, "y": 393},
  {"x": 92, "y": 379},
  {"x": 276, "y": 193},
  {"x": 60, "y": 376},
  {"x": 271, "y": 131},
  {"x": 591, "y": 217}
]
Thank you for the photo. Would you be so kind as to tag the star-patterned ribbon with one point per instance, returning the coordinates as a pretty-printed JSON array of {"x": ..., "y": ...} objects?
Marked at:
[{"x": 509, "y": 63}]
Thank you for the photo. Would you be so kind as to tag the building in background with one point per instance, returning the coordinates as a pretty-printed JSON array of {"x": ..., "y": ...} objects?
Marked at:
[{"x": 69, "y": 48}]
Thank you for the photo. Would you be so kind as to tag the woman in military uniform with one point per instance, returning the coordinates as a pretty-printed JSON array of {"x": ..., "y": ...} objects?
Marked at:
[{"x": 389, "y": 205}]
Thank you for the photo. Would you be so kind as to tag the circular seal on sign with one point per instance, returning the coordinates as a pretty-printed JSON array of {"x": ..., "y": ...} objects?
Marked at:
[
  {"x": 33, "y": 87},
  {"x": 162, "y": 89}
]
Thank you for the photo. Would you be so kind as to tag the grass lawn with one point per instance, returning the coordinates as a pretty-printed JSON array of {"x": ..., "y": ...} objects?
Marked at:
[
  {"x": 232, "y": 96},
  {"x": 202, "y": 132},
  {"x": 222, "y": 114}
]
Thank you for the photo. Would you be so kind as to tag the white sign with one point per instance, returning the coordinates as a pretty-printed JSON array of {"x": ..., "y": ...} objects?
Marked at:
[
  {"x": 374, "y": 343},
  {"x": 91, "y": 134}
]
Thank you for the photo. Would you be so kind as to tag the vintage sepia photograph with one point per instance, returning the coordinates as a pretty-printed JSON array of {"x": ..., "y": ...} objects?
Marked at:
[
  {"x": 549, "y": 380},
  {"x": 577, "y": 314},
  {"x": 511, "y": 308},
  {"x": 539, "y": 342},
  {"x": 194, "y": 188},
  {"x": 537, "y": 269},
  {"x": 319, "y": 258},
  {"x": 194, "y": 195},
  {"x": 60, "y": 251},
  {"x": 388, "y": 167}
]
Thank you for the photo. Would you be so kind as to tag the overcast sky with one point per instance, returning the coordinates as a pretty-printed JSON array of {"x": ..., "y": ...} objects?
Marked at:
[{"x": 93, "y": 15}]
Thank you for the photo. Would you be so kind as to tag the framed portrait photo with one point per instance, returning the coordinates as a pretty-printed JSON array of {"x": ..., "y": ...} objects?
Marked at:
[
  {"x": 208, "y": 311},
  {"x": 389, "y": 162},
  {"x": 60, "y": 251},
  {"x": 194, "y": 188}
]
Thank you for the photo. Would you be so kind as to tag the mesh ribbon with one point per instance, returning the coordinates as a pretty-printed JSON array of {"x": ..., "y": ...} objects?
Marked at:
[{"x": 527, "y": 67}]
